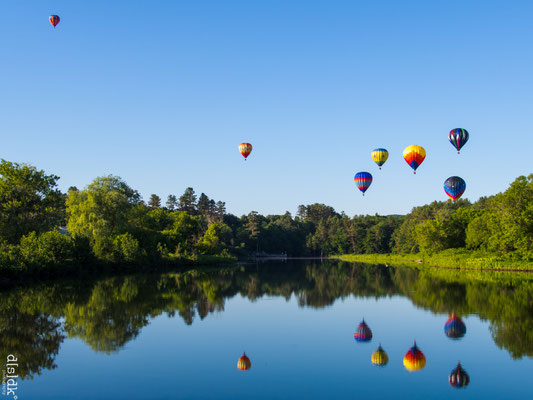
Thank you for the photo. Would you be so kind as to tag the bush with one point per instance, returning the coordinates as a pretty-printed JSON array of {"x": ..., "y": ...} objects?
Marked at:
[
  {"x": 48, "y": 249},
  {"x": 126, "y": 249}
]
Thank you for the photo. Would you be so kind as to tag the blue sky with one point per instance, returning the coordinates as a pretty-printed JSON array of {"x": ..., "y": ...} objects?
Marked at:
[{"x": 161, "y": 93}]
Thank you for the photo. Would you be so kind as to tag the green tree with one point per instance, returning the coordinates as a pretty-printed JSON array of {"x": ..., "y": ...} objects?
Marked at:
[
  {"x": 188, "y": 201},
  {"x": 217, "y": 237},
  {"x": 29, "y": 201},
  {"x": 155, "y": 201},
  {"x": 172, "y": 202},
  {"x": 102, "y": 211}
]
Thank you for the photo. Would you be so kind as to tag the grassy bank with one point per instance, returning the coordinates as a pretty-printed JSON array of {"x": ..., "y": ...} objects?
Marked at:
[{"x": 456, "y": 259}]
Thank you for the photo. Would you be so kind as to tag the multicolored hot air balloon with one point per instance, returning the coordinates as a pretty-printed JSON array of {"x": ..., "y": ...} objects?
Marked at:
[
  {"x": 244, "y": 363},
  {"x": 458, "y": 377},
  {"x": 363, "y": 332},
  {"x": 414, "y": 156},
  {"x": 380, "y": 156},
  {"x": 458, "y": 137},
  {"x": 54, "y": 20},
  {"x": 414, "y": 359},
  {"x": 379, "y": 357},
  {"x": 363, "y": 181},
  {"x": 455, "y": 328},
  {"x": 245, "y": 149},
  {"x": 454, "y": 187}
]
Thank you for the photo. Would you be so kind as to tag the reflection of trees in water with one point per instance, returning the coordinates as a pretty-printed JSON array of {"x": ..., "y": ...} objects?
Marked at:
[
  {"x": 108, "y": 313},
  {"x": 32, "y": 338}
]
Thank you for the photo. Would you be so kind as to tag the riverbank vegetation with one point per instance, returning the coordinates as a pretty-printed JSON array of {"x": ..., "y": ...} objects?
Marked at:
[{"x": 108, "y": 224}]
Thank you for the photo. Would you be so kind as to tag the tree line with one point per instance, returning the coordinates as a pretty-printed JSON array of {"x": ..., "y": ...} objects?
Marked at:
[{"x": 108, "y": 222}]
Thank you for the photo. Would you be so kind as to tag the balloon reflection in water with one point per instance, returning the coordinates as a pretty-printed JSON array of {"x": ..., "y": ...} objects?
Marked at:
[
  {"x": 414, "y": 359},
  {"x": 458, "y": 377},
  {"x": 379, "y": 357},
  {"x": 363, "y": 332},
  {"x": 455, "y": 328},
  {"x": 244, "y": 363}
]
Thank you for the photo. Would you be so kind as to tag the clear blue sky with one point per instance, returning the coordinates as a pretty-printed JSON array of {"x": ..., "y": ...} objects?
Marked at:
[{"x": 161, "y": 93}]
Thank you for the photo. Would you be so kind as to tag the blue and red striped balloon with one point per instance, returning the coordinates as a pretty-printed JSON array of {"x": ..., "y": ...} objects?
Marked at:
[
  {"x": 363, "y": 332},
  {"x": 363, "y": 181},
  {"x": 454, "y": 187}
]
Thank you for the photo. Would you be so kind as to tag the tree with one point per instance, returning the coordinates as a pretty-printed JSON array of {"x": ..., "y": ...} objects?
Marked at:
[
  {"x": 188, "y": 201},
  {"x": 216, "y": 238},
  {"x": 29, "y": 201},
  {"x": 101, "y": 212},
  {"x": 203, "y": 205},
  {"x": 155, "y": 201},
  {"x": 172, "y": 202}
]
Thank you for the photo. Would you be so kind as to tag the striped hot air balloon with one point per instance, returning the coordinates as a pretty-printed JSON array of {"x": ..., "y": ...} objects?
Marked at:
[
  {"x": 414, "y": 156},
  {"x": 380, "y": 156},
  {"x": 454, "y": 187},
  {"x": 414, "y": 359},
  {"x": 363, "y": 332},
  {"x": 244, "y": 363},
  {"x": 454, "y": 327},
  {"x": 379, "y": 357},
  {"x": 245, "y": 149},
  {"x": 458, "y": 377},
  {"x": 363, "y": 181},
  {"x": 54, "y": 20},
  {"x": 458, "y": 138}
]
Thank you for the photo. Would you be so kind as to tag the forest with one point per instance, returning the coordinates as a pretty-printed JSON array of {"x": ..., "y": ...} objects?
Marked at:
[{"x": 108, "y": 223}]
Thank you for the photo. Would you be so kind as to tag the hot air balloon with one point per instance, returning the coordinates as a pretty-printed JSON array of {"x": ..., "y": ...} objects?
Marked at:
[
  {"x": 414, "y": 155},
  {"x": 379, "y": 357},
  {"x": 454, "y": 187},
  {"x": 54, "y": 20},
  {"x": 414, "y": 359},
  {"x": 245, "y": 149},
  {"x": 458, "y": 137},
  {"x": 363, "y": 181},
  {"x": 363, "y": 332},
  {"x": 244, "y": 363},
  {"x": 380, "y": 156},
  {"x": 458, "y": 377},
  {"x": 454, "y": 328}
]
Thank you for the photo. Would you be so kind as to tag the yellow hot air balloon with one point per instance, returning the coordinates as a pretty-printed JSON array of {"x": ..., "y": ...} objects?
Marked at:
[
  {"x": 380, "y": 156},
  {"x": 414, "y": 155},
  {"x": 379, "y": 357},
  {"x": 244, "y": 363}
]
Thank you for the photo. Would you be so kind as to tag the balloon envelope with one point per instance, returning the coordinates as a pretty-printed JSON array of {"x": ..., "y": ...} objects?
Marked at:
[
  {"x": 454, "y": 187},
  {"x": 363, "y": 332},
  {"x": 245, "y": 149},
  {"x": 380, "y": 156},
  {"x": 414, "y": 156},
  {"x": 380, "y": 357},
  {"x": 414, "y": 359},
  {"x": 458, "y": 137},
  {"x": 454, "y": 327},
  {"x": 54, "y": 20},
  {"x": 458, "y": 377},
  {"x": 244, "y": 363},
  {"x": 363, "y": 181}
]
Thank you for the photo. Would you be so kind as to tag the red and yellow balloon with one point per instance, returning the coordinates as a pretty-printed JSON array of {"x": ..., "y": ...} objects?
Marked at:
[
  {"x": 245, "y": 149},
  {"x": 244, "y": 363},
  {"x": 414, "y": 156},
  {"x": 414, "y": 359}
]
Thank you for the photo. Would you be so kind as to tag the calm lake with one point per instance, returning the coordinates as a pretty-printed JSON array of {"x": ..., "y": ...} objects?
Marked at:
[{"x": 179, "y": 335}]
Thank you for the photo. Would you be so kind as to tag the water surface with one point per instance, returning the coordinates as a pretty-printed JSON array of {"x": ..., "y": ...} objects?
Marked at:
[{"x": 179, "y": 335}]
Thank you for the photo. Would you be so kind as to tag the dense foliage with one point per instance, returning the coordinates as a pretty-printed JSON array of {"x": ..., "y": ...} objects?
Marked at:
[{"x": 108, "y": 223}]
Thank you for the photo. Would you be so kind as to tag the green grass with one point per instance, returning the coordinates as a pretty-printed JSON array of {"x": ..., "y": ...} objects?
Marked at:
[{"x": 453, "y": 258}]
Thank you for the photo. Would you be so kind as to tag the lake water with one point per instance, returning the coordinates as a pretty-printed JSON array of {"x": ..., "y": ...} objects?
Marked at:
[{"x": 179, "y": 335}]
